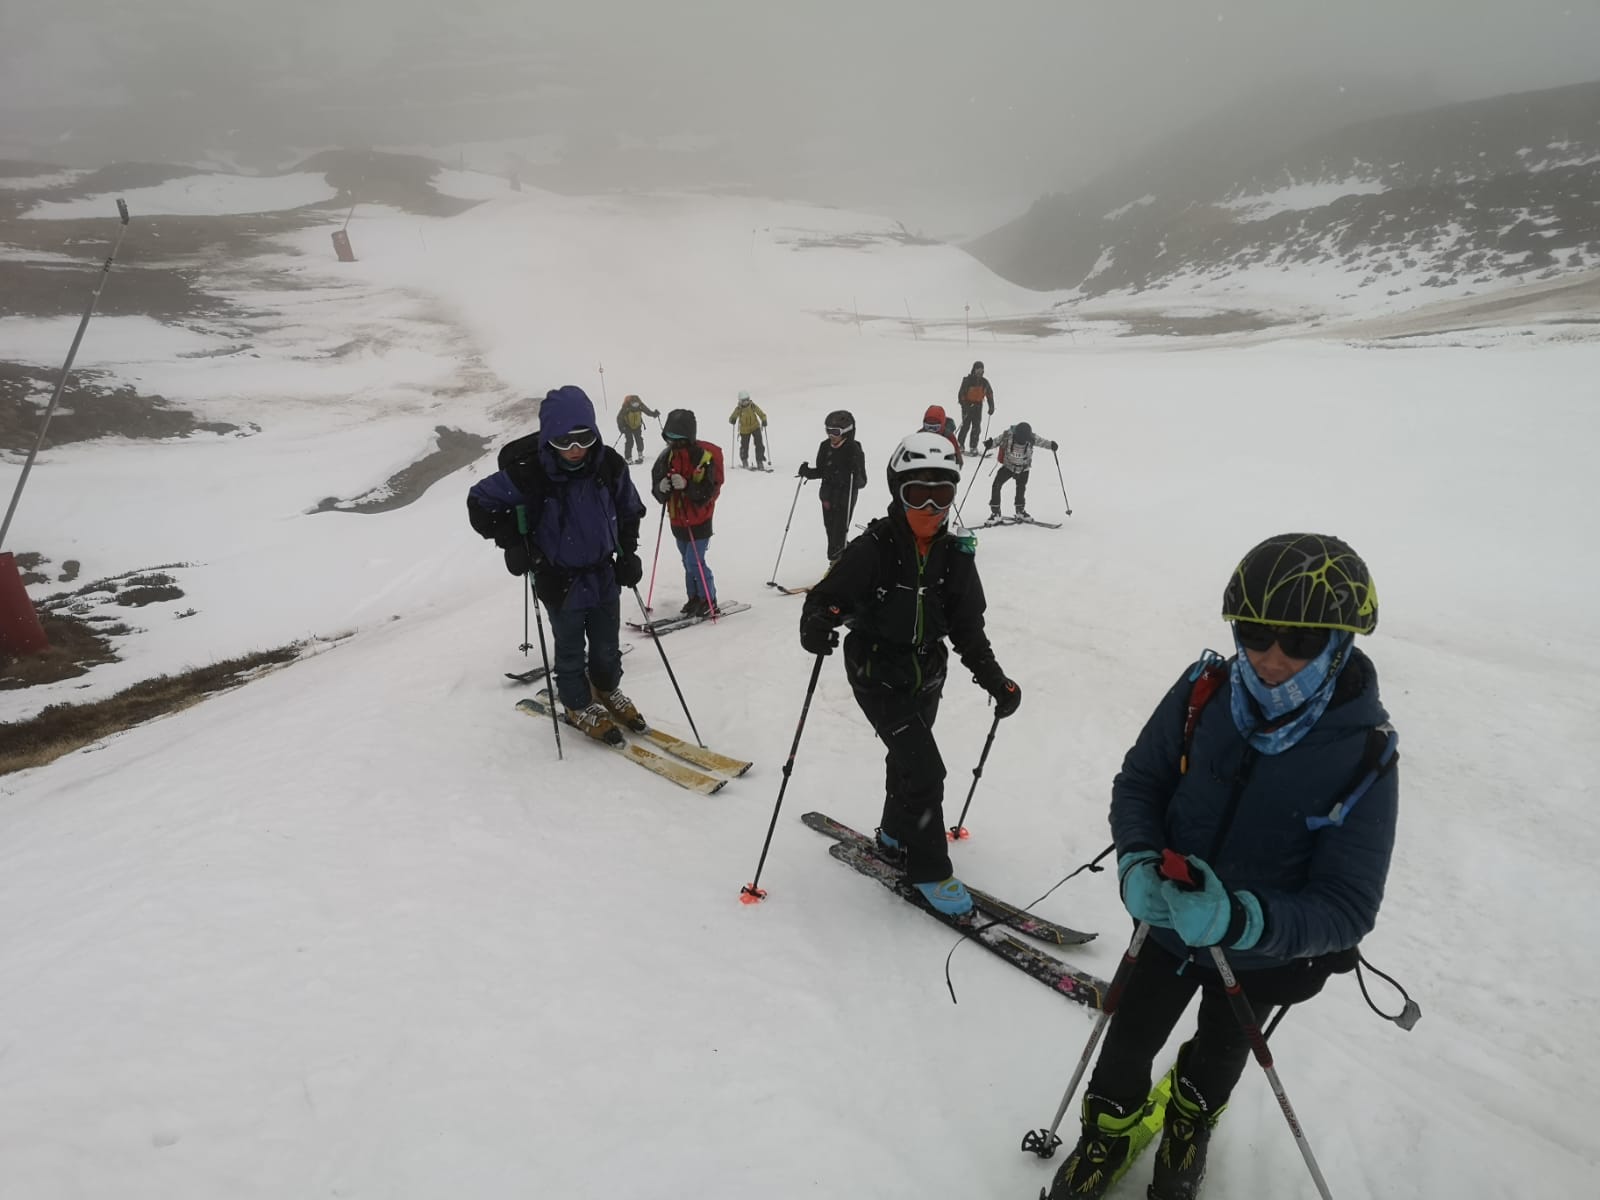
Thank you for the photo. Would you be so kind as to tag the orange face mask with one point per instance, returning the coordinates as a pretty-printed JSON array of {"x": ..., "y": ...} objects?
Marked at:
[{"x": 925, "y": 522}]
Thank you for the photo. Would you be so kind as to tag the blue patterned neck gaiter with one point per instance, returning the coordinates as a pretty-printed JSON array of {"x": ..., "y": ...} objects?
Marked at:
[{"x": 1309, "y": 690}]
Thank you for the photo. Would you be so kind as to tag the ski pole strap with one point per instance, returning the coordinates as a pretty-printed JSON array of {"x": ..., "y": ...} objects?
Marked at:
[{"x": 1409, "y": 1014}]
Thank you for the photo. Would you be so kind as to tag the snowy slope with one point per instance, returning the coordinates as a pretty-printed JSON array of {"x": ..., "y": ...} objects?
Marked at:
[{"x": 353, "y": 930}]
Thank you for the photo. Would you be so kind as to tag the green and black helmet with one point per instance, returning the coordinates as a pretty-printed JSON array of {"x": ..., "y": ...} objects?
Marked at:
[{"x": 1306, "y": 580}]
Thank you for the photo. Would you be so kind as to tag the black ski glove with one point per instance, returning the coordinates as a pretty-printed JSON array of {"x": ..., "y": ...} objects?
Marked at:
[
  {"x": 818, "y": 632},
  {"x": 1007, "y": 694},
  {"x": 1007, "y": 698},
  {"x": 988, "y": 443},
  {"x": 1054, "y": 446},
  {"x": 517, "y": 560},
  {"x": 629, "y": 570}
]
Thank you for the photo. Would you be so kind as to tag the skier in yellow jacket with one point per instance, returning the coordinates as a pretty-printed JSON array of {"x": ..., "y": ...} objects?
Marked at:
[{"x": 752, "y": 423}]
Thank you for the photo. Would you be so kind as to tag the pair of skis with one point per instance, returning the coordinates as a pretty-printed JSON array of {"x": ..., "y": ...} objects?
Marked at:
[
  {"x": 691, "y": 767},
  {"x": 537, "y": 673},
  {"x": 993, "y": 924},
  {"x": 994, "y": 521},
  {"x": 663, "y": 625}
]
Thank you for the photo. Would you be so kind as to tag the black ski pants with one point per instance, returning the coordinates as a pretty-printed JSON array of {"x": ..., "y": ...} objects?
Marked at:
[
  {"x": 971, "y": 427},
  {"x": 913, "y": 787},
  {"x": 630, "y": 437},
  {"x": 836, "y": 520},
  {"x": 1003, "y": 474},
  {"x": 1158, "y": 990}
]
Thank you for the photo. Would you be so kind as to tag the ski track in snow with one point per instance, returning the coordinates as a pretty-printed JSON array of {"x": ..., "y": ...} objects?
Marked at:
[{"x": 353, "y": 930}]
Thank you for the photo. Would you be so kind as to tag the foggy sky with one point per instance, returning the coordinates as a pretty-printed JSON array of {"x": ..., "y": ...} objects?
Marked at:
[{"x": 948, "y": 101}]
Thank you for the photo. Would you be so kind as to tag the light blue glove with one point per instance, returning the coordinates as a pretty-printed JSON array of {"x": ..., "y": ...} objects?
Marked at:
[
  {"x": 1141, "y": 887},
  {"x": 1210, "y": 914}
]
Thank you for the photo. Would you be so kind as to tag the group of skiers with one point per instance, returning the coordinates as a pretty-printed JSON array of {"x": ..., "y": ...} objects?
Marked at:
[{"x": 1252, "y": 815}]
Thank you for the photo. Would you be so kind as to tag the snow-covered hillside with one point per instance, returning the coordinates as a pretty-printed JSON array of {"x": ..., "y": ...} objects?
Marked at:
[
  {"x": 353, "y": 930},
  {"x": 1392, "y": 212}
]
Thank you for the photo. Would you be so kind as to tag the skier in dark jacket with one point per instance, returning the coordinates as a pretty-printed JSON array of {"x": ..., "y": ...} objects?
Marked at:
[
  {"x": 902, "y": 587},
  {"x": 1262, "y": 802},
  {"x": 630, "y": 423},
  {"x": 973, "y": 393},
  {"x": 581, "y": 541},
  {"x": 842, "y": 467},
  {"x": 687, "y": 477}
]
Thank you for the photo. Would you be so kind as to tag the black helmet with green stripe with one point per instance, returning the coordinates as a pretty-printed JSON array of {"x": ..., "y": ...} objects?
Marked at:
[{"x": 1309, "y": 580}]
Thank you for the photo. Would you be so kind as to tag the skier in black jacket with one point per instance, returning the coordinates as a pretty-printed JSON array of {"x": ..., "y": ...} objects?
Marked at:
[
  {"x": 842, "y": 467},
  {"x": 902, "y": 587}
]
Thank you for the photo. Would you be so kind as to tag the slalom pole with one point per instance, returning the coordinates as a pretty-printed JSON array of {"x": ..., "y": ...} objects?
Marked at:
[
  {"x": 661, "y": 650},
  {"x": 1063, "y": 479},
  {"x": 958, "y": 831},
  {"x": 660, "y": 527},
  {"x": 751, "y": 893},
  {"x": 544, "y": 653},
  {"x": 773, "y": 582},
  {"x": 66, "y": 370},
  {"x": 1043, "y": 1142}
]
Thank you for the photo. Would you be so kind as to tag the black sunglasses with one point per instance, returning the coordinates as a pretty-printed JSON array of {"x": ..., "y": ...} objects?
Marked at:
[
  {"x": 922, "y": 493},
  {"x": 1294, "y": 641},
  {"x": 578, "y": 437}
]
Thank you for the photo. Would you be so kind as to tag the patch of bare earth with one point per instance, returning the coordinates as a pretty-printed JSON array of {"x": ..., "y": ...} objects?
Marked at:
[
  {"x": 63, "y": 728},
  {"x": 88, "y": 410},
  {"x": 456, "y": 449}
]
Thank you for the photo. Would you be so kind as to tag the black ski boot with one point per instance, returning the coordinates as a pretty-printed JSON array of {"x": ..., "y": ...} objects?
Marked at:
[
  {"x": 1181, "y": 1156},
  {"x": 1101, "y": 1155}
]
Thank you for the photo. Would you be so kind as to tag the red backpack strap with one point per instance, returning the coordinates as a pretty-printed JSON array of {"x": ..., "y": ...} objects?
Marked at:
[{"x": 1204, "y": 679}]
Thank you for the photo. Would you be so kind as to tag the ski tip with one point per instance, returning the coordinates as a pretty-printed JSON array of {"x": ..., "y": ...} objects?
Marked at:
[
  {"x": 957, "y": 833},
  {"x": 750, "y": 894}
]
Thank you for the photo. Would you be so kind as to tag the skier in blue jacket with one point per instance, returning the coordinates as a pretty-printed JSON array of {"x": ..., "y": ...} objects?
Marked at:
[
  {"x": 1255, "y": 791},
  {"x": 582, "y": 518}
]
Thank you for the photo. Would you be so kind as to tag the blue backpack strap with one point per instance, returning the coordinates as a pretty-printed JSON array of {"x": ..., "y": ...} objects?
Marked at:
[{"x": 1382, "y": 752}]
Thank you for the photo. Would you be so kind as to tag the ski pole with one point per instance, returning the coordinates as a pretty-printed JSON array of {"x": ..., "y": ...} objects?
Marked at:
[
  {"x": 660, "y": 527},
  {"x": 958, "y": 831},
  {"x": 972, "y": 481},
  {"x": 66, "y": 370},
  {"x": 1043, "y": 1142},
  {"x": 1175, "y": 867},
  {"x": 544, "y": 653},
  {"x": 1063, "y": 479},
  {"x": 1258, "y": 1046},
  {"x": 773, "y": 582},
  {"x": 750, "y": 893},
  {"x": 661, "y": 650},
  {"x": 700, "y": 566}
]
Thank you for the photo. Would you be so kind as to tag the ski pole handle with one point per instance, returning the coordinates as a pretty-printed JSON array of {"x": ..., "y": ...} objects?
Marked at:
[{"x": 1179, "y": 870}]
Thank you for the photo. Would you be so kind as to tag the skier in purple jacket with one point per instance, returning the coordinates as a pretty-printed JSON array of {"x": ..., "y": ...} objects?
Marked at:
[{"x": 581, "y": 515}]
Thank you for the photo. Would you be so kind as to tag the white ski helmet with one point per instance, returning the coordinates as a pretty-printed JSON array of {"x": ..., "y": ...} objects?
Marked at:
[{"x": 922, "y": 451}]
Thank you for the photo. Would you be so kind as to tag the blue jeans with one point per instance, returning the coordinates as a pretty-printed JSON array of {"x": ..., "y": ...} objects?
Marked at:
[
  {"x": 694, "y": 561},
  {"x": 570, "y": 627}
]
